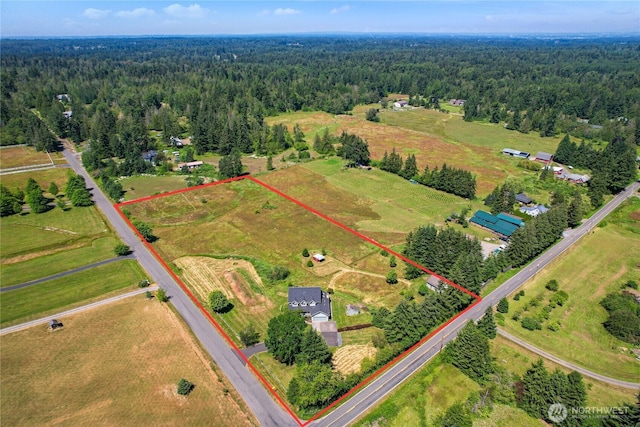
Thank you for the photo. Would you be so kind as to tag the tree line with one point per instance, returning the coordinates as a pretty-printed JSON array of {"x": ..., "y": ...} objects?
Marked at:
[{"x": 448, "y": 179}]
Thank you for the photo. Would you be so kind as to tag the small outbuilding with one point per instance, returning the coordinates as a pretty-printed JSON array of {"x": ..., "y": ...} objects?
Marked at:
[
  {"x": 523, "y": 199},
  {"x": 318, "y": 257},
  {"x": 352, "y": 310},
  {"x": 543, "y": 157},
  {"x": 435, "y": 284}
]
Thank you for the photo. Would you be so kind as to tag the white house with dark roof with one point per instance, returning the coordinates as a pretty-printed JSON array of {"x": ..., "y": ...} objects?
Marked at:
[{"x": 311, "y": 301}]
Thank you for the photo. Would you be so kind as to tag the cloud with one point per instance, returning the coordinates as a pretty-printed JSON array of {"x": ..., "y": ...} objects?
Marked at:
[
  {"x": 337, "y": 10},
  {"x": 192, "y": 11},
  {"x": 136, "y": 13},
  {"x": 287, "y": 11},
  {"x": 92, "y": 13}
]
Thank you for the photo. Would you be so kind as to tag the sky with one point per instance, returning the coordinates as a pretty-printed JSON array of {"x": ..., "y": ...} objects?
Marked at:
[{"x": 53, "y": 18}]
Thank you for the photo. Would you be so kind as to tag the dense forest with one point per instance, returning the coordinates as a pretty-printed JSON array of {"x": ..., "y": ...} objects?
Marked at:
[{"x": 220, "y": 89}]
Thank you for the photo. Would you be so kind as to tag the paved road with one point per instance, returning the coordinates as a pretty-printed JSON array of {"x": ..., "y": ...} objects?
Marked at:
[
  {"x": 371, "y": 394},
  {"x": 585, "y": 372},
  {"x": 266, "y": 410},
  {"x": 66, "y": 273},
  {"x": 64, "y": 314},
  {"x": 254, "y": 349}
]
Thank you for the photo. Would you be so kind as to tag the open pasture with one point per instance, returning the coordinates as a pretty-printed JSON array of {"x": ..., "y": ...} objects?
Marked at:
[
  {"x": 22, "y": 156},
  {"x": 141, "y": 186},
  {"x": 26, "y": 234},
  {"x": 114, "y": 365},
  {"x": 592, "y": 268},
  {"x": 67, "y": 292},
  {"x": 43, "y": 177},
  {"x": 25, "y": 268}
]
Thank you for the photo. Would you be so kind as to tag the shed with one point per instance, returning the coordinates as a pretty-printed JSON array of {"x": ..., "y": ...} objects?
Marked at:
[
  {"x": 544, "y": 157},
  {"x": 352, "y": 310},
  {"x": 523, "y": 198},
  {"x": 435, "y": 284},
  {"x": 515, "y": 153},
  {"x": 318, "y": 257}
]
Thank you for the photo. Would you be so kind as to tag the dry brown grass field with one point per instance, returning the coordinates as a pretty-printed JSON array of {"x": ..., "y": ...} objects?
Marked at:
[
  {"x": 114, "y": 365},
  {"x": 347, "y": 359},
  {"x": 20, "y": 156}
]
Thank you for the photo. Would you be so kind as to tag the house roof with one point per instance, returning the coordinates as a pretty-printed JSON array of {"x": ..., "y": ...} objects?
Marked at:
[
  {"x": 494, "y": 223},
  {"x": 522, "y": 198},
  {"x": 513, "y": 152},
  {"x": 318, "y": 257},
  {"x": 433, "y": 280},
  {"x": 544, "y": 156},
  {"x": 307, "y": 295}
]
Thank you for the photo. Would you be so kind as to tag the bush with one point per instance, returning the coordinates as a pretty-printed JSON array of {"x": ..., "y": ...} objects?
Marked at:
[
  {"x": 249, "y": 336},
  {"x": 161, "y": 294},
  {"x": 531, "y": 323},
  {"x": 305, "y": 253},
  {"x": 554, "y": 326},
  {"x": 631, "y": 284},
  {"x": 148, "y": 295},
  {"x": 309, "y": 263},
  {"x": 503, "y": 306},
  {"x": 278, "y": 273},
  {"x": 184, "y": 387},
  {"x": 559, "y": 298},
  {"x": 423, "y": 289},
  {"x": 384, "y": 253},
  {"x": 499, "y": 319},
  {"x": 392, "y": 262},
  {"x": 218, "y": 301},
  {"x": 521, "y": 293},
  {"x": 552, "y": 285},
  {"x": 516, "y": 315},
  {"x": 144, "y": 283},
  {"x": 122, "y": 250},
  {"x": 516, "y": 297},
  {"x": 392, "y": 277}
]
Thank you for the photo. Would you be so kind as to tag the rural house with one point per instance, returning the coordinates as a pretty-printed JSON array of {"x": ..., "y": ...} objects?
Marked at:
[
  {"x": 457, "y": 102},
  {"x": 150, "y": 156},
  {"x": 534, "y": 211},
  {"x": 400, "y": 104},
  {"x": 311, "y": 301}
]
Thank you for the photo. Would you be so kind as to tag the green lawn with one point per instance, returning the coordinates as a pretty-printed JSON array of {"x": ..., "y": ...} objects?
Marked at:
[
  {"x": 423, "y": 397},
  {"x": 508, "y": 416},
  {"x": 600, "y": 263},
  {"x": 67, "y": 292},
  {"x": 21, "y": 272},
  {"x": 141, "y": 186},
  {"x": 400, "y": 205},
  {"x": 277, "y": 374},
  {"x": 42, "y": 177},
  {"x": 30, "y": 232}
]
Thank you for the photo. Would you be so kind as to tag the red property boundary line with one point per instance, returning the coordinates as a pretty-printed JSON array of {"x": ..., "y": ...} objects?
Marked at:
[{"x": 233, "y": 345}]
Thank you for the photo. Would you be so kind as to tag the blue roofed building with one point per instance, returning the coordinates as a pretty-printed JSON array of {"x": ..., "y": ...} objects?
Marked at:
[{"x": 496, "y": 224}]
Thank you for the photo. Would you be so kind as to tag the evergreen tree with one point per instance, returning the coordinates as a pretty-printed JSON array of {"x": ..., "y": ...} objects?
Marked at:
[
  {"x": 53, "y": 189},
  {"x": 487, "y": 324},
  {"x": 270, "y": 163},
  {"x": 575, "y": 210},
  {"x": 354, "y": 149},
  {"x": 503, "y": 306},
  {"x": 469, "y": 352},
  {"x": 565, "y": 153},
  {"x": 36, "y": 200},
  {"x": 9, "y": 203},
  {"x": 313, "y": 349},
  {"x": 230, "y": 165},
  {"x": 536, "y": 396},
  {"x": 457, "y": 415},
  {"x": 410, "y": 167}
]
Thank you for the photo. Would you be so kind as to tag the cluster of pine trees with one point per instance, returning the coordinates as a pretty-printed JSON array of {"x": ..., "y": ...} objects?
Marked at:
[
  {"x": 450, "y": 180},
  {"x": 447, "y": 252}
]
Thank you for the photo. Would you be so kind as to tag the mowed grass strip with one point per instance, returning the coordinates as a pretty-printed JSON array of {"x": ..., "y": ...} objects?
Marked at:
[
  {"x": 598, "y": 264},
  {"x": 20, "y": 234},
  {"x": 47, "y": 265},
  {"x": 61, "y": 294},
  {"x": 13, "y": 157},
  {"x": 114, "y": 365}
]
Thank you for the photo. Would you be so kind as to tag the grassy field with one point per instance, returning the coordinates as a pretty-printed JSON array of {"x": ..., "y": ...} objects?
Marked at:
[
  {"x": 114, "y": 365},
  {"x": 518, "y": 359},
  {"x": 422, "y": 398},
  {"x": 508, "y": 416},
  {"x": 433, "y": 137},
  {"x": 28, "y": 233},
  {"x": 141, "y": 186},
  {"x": 587, "y": 272},
  {"x": 13, "y": 157},
  {"x": 14, "y": 273},
  {"x": 61, "y": 294},
  {"x": 42, "y": 177},
  {"x": 379, "y": 204}
]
